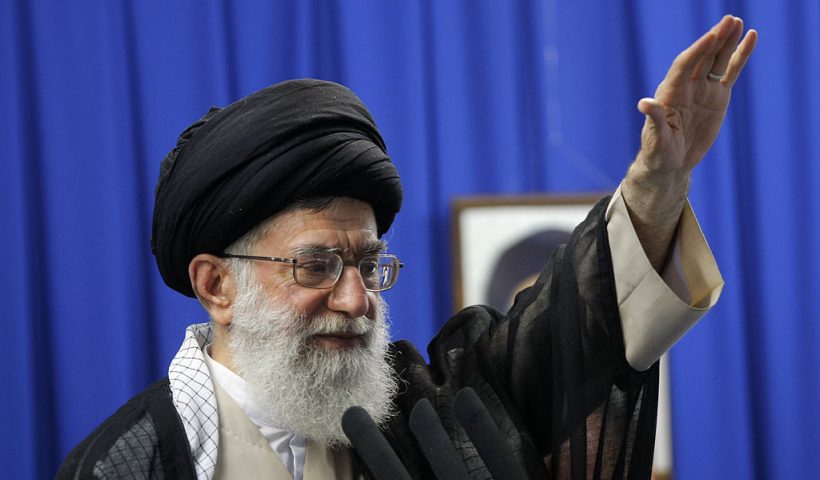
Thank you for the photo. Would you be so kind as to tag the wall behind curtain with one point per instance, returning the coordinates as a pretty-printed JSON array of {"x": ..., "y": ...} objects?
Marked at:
[{"x": 472, "y": 98}]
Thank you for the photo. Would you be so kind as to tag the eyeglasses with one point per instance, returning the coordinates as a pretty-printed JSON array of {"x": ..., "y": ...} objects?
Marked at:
[{"x": 323, "y": 269}]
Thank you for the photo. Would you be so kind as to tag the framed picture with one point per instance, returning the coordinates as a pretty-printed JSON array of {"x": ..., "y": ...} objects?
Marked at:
[
  {"x": 500, "y": 242},
  {"x": 500, "y": 245}
]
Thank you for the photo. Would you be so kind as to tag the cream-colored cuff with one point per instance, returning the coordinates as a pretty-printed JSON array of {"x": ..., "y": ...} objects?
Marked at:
[{"x": 657, "y": 309}]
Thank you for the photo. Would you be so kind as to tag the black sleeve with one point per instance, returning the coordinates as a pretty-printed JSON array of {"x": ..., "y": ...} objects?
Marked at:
[
  {"x": 143, "y": 439},
  {"x": 559, "y": 355}
]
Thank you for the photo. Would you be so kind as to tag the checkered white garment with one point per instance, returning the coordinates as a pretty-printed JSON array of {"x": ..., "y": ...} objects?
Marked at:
[{"x": 194, "y": 398}]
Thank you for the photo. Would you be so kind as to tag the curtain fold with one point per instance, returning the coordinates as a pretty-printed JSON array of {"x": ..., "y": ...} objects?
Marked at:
[{"x": 472, "y": 98}]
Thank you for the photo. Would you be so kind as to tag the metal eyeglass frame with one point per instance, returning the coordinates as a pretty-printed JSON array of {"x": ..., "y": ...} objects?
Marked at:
[{"x": 399, "y": 265}]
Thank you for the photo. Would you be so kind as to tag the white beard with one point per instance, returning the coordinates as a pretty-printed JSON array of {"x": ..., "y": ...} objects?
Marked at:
[{"x": 305, "y": 387}]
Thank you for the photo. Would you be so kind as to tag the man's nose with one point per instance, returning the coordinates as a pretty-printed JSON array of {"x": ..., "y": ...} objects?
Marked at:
[{"x": 349, "y": 295}]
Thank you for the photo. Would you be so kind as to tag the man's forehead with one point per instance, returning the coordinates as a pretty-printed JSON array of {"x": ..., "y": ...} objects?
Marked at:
[
  {"x": 344, "y": 223},
  {"x": 340, "y": 214}
]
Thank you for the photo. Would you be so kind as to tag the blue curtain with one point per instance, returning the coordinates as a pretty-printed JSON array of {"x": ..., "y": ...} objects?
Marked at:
[{"x": 472, "y": 98}]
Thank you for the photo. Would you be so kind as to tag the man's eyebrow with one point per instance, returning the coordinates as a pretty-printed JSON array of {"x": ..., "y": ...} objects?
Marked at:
[
  {"x": 370, "y": 247},
  {"x": 309, "y": 248}
]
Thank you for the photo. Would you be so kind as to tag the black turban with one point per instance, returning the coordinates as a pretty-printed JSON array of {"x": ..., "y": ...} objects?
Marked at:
[{"x": 239, "y": 165}]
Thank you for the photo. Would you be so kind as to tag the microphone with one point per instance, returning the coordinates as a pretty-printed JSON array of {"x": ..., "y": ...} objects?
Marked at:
[
  {"x": 371, "y": 445},
  {"x": 482, "y": 430},
  {"x": 435, "y": 443}
]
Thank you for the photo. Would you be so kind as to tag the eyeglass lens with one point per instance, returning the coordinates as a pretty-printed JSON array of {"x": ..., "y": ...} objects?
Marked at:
[{"x": 322, "y": 270}]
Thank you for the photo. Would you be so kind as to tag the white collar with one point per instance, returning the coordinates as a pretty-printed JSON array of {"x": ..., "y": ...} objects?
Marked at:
[{"x": 193, "y": 395}]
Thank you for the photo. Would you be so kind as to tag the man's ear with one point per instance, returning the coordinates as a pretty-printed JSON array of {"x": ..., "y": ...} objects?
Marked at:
[{"x": 214, "y": 286}]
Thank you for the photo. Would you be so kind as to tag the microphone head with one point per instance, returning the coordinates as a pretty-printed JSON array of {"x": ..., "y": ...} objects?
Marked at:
[
  {"x": 480, "y": 426},
  {"x": 435, "y": 443},
  {"x": 371, "y": 445},
  {"x": 355, "y": 421}
]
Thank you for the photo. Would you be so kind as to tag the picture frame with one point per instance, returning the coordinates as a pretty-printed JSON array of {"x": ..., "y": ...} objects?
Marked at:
[{"x": 485, "y": 228}]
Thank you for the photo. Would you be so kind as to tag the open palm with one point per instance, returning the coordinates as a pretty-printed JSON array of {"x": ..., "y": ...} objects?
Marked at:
[{"x": 684, "y": 117}]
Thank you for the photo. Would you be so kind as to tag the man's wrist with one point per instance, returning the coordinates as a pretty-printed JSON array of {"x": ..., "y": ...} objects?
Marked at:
[
  {"x": 651, "y": 192},
  {"x": 651, "y": 175},
  {"x": 654, "y": 199}
]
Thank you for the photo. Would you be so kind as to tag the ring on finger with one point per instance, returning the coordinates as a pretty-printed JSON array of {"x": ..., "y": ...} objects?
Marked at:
[{"x": 715, "y": 76}]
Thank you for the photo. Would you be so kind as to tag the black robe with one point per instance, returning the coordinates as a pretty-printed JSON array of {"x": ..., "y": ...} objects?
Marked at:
[{"x": 552, "y": 373}]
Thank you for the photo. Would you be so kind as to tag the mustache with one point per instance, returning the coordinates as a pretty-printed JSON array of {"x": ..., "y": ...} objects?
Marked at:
[{"x": 331, "y": 324}]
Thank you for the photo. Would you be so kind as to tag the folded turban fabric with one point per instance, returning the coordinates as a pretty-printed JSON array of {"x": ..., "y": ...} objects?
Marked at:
[{"x": 239, "y": 165}]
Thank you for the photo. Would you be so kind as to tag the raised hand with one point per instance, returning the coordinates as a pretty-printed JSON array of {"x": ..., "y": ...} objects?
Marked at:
[
  {"x": 682, "y": 122},
  {"x": 685, "y": 116}
]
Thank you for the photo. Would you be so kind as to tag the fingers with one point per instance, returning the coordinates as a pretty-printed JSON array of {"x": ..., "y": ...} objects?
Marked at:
[
  {"x": 713, "y": 52},
  {"x": 730, "y": 33},
  {"x": 687, "y": 62},
  {"x": 740, "y": 57},
  {"x": 692, "y": 61}
]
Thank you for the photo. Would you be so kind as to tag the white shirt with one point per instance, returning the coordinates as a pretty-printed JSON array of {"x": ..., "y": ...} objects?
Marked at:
[{"x": 289, "y": 446}]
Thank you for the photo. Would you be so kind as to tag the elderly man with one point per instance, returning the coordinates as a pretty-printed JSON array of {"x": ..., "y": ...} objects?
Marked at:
[{"x": 270, "y": 212}]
